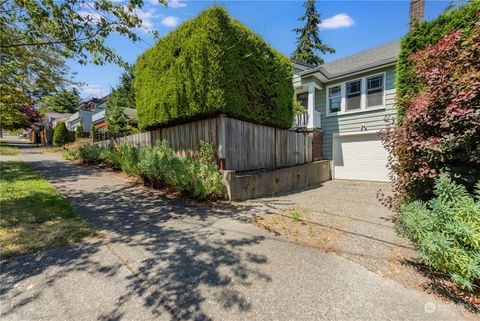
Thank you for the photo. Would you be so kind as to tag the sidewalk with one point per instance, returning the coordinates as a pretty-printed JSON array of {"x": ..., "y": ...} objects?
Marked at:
[{"x": 161, "y": 258}]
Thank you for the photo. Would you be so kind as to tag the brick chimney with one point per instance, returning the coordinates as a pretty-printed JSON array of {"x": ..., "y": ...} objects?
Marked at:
[{"x": 416, "y": 11}]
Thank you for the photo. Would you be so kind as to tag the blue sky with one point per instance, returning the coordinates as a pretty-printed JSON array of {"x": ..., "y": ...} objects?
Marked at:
[{"x": 349, "y": 27}]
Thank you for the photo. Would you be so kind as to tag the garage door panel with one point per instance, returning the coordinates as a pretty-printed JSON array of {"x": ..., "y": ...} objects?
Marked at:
[{"x": 360, "y": 157}]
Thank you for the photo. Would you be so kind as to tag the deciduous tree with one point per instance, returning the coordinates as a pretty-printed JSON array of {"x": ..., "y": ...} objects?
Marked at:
[
  {"x": 74, "y": 28},
  {"x": 36, "y": 37},
  {"x": 26, "y": 74}
]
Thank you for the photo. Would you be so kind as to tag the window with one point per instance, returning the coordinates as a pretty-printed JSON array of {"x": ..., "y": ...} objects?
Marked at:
[
  {"x": 362, "y": 94},
  {"x": 303, "y": 99},
  {"x": 335, "y": 99},
  {"x": 375, "y": 91},
  {"x": 354, "y": 95}
]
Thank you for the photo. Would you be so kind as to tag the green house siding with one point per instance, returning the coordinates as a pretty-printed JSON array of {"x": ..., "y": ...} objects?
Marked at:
[
  {"x": 297, "y": 81},
  {"x": 371, "y": 120}
]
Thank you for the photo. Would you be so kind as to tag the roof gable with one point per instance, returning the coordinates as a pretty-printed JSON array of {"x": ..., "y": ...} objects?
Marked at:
[{"x": 364, "y": 60}]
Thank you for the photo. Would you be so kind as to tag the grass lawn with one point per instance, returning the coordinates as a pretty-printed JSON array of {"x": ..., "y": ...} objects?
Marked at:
[
  {"x": 8, "y": 150},
  {"x": 34, "y": 215}
]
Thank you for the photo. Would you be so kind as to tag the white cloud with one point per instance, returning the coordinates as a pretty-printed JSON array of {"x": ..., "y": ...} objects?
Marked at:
[
  {"x": 147, "y": 18},
  {"x": 341, "y": 20},
  {"x": 171, "y": 21},
  {"x": 170, "y": 3},
  {"x": 176, "y": 4},
  {"x": 91, "y": 91},
  {"x": 94, "y": 16}
]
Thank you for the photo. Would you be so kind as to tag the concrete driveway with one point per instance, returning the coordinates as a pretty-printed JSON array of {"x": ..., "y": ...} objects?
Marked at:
[
  {"x": 361, "y": 228},
  {"x": 163, "y": 258},
  {"x": 353, "y": 223}
]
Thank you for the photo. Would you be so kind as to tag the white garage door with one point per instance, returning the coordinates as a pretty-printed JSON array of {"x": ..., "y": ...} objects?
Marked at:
[{"x": 360, "y": 157}]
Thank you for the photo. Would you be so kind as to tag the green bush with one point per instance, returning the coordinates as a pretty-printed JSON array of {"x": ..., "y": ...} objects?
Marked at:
[
  {"x": 209, "y": 65},
  {"x": 61, "y": 136},
  {"x": 71, "y": 154},
  {"x": 446, "y": 231},
  {"x": 156, "y": 165},
  {"x": 425, "y": 34},
  {"x": 94, "y": 154},
  {"x": 79, "y": 132},
  {"x": 197, "y": 177},
  {"x": 90, "y": 153},
  {"x": 128, "y": 158},
  {"x": 206, "y": 154},
  {"x": 109, "y": 156}
]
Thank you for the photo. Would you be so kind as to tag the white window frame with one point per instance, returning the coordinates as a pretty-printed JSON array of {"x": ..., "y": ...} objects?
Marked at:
[
  {"x": 342, "y": 93},
  {"x": 363, "y": 100},
  {"x": 366, "y": 91},
  {"x": 362, "y": 90}
]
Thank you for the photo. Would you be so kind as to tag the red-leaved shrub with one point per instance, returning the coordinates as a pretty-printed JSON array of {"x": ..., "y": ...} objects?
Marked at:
[{"x": 440, "y": 131}]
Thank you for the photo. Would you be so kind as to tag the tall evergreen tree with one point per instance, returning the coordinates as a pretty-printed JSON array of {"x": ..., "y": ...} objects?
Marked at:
[
  {"x": 63, "y": 101},
  {"x": 308, "y": 40},
  {"x": 121, "y": 97}
]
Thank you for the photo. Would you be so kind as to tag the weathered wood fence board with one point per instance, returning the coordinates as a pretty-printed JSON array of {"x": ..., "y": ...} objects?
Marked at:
[
  {"x": 243, "y": 145},
  {"x": 248, "y": 146}
]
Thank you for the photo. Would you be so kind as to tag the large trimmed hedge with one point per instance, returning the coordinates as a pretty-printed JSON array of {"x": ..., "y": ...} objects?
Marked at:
[
  {"x": 209, "y": 65},
  {"x": 425, "y": 34}
]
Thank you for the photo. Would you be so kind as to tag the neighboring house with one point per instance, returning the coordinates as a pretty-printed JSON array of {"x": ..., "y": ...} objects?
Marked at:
[
  {"x": 50, "y": 121},
  {"x": 99, "y": 122},
  {"x": 51, "y": 118},
  {"x": 350, "y": 100},
  {"x": 84, "y": 113}
]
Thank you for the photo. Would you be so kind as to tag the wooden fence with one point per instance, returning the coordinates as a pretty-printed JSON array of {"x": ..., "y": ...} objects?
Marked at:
[{"x": 242, "y": 145}]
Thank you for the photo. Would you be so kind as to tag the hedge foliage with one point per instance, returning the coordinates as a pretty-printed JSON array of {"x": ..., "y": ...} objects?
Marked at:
[
  {"x": 440, "y": 129},
  {"x": 209, "y": 65},
  {"x": 79, "y": 132},
  {"x": 424, "y": 35},
  {"x": 61, "y": 136}
]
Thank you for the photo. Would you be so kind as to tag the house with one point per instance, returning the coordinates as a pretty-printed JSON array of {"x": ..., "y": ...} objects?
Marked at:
[
  {"x": 84, "y": 112},
  {"x": 349, "y": 102},
  {"x": 99, "y": 122},
  {"x": 51, "y": 118}
]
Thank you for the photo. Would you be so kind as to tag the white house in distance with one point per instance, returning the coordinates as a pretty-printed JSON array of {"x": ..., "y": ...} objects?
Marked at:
[
  {"x": 52, "y": 118},
  {"x": 84, "y": 112}
]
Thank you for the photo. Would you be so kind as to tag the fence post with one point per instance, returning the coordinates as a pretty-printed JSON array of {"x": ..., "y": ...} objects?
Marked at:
[{"x": 221, "y": 141}]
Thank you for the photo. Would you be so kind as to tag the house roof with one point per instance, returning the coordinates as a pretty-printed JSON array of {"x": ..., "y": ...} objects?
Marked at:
[
  {"x": 95, "y": 101},
  {"x": 364, "y": 60},
  {"x": 129, "y": 112},
  {"x": 302, "y": 65},
  {"x": 56, "y": 115}
]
